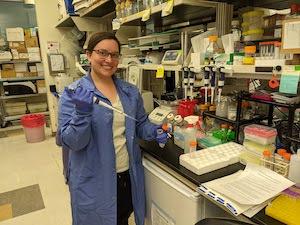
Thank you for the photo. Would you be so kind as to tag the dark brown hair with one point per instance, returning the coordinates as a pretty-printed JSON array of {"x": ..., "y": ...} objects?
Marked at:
[{"x": 100, "y": 36}]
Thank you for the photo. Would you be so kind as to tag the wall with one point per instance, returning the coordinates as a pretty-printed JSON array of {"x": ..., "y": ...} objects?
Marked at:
[
  {"x": 16, "y": 14},
  {"x": 47, "y": 19}
]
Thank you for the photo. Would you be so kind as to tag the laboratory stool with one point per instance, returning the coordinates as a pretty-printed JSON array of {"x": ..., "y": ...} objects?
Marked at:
[{"x": 223, "y": 221}]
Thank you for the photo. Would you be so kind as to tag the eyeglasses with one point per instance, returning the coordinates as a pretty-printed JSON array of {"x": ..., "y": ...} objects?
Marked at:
[{"x": 104, "y": 54}]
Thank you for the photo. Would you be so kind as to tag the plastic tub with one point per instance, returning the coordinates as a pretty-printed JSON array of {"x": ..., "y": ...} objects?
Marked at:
[
  {"x": 33, "y": 125},
  {"x": 253, "y": 16},
  {"x": 252, "y": 35},
  {"x": 186, "y": 107},
  {"x": 258, "y": 148},
  {"x": 260, "y": 134}
]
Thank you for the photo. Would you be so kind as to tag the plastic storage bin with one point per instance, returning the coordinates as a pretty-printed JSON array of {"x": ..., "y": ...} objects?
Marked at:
[
  {"x": 260, "y": 134},
  {"x": 259, "y": 148},
  {"x": 33, "y": 125}
]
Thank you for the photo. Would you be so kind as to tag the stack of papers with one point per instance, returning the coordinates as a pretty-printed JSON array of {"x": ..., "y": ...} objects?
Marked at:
[
  {"x": 246, "y": 191},
  {"x": 285, "y": 98}
]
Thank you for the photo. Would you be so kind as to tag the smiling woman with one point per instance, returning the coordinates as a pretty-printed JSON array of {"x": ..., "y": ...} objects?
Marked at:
[{"x": 106, "y": 175}]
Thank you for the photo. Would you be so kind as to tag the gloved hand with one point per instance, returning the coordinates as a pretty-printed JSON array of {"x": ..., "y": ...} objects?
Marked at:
[
  {"x": 82, "y": 98},
  {"x": 161, "y": 137}
]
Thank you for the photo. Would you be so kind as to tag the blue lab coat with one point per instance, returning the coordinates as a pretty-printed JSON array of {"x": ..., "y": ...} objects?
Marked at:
[{"x": 92, "y": 169}]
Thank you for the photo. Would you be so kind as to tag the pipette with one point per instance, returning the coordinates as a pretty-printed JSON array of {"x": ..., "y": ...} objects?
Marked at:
[
  {"x": 221, "y": 82},
  {"x": 104, "y": 104},
  {"x": 212, "y": 84},
  {"x": 206, "y": 81},
  {"x": 185, "y": 80},
  {"x": 191, "y": 83}
]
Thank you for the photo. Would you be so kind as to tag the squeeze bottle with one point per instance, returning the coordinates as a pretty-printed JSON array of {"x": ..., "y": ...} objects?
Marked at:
[{"x": 294, "y": 171}]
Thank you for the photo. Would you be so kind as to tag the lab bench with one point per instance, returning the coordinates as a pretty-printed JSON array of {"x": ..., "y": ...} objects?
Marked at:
[{"x": 169, "y": 156}]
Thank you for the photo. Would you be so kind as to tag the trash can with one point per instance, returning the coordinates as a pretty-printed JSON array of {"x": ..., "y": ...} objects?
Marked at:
[
  {"x": 33, "y": 125},
  {"x": 223, "y": 221}
]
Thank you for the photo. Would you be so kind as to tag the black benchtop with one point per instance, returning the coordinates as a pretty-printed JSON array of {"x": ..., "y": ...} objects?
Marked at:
[{"x": 169, "y": 155}]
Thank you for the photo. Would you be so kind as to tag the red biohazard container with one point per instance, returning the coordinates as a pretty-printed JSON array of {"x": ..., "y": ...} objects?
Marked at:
[
  {"x": 33, "y": 125},
  {"x": 186, "y": 107}
]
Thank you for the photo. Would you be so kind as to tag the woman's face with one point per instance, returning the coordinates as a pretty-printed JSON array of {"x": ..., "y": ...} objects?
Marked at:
[{"x": 104, "y": 58}]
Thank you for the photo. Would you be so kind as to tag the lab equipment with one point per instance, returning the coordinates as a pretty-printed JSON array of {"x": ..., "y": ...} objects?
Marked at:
[
  {"x": 221, "y": 82},
  {"x": 159, "y": 133},
  {"x": 294, "y": 174},
  {"x": 147, "y": 97},
  {"x": 213, "y": 158},
  {"x": 211, "y": 50},
  {"x": 212, "y": 84},
  {"x": 232, "y": 110},
  {"x": 258, "y": 148},
  {"x": 185, "y": 80},
  {"x": 189, "y": 136},
  {"x": 160, "y": 207},
  {"x": 222, "y": 107},
  {"x": 191, "y": 83},
  {"x": 104, "y": 104},
  {"x": 186, "y": 107},
  {"x": 159, "y": 114},
  {"x": 193, "y": 147},
  {"x": 249, "y": 58},
  {"x": 267, "y": 159},
  {"x": 170, "y": 121},
  {"x": 206, "y": 81},
  {"x": 179, "y": 136},
  {"x": 260, "y": 134},
  {"x": 208, "y": 141},
  {"x": 286, "y": 206},
  {"x": 172, "y": 57}
]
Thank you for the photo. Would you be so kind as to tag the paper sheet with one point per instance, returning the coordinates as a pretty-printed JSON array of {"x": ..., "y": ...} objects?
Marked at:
[
  {"x": 255, "y": 209},
  {"x": 291, "y": 35},
  {"x": 289, "y": 83},
  {"x": 232, "y": 206},
  {"x": 253, "y": 186}
]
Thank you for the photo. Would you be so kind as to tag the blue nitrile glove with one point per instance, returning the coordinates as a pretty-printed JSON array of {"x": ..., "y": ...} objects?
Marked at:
[
  {"x": 161, "y": 137},
  {"x": 82, "y": 98}
]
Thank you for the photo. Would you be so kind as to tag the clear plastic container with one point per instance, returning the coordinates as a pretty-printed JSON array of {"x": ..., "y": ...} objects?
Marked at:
[
  {"x": 190, "y": 135},
  {"x": 212, "y": 48},
  {"x": 179, "y": 138},
  {"x": 260, "y": 134},
  {"x": 222, "y": 108},
  {"x": 33, "y": 126},
  {"x": 294, "y": 174},
  {"x": 231, "y": 112},
  {"x": 258, "y": 148}
]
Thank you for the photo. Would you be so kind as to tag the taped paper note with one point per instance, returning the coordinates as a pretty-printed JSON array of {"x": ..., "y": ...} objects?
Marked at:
[
  {"x": 168, "y": 9},
  {"x": 146, "y": 15},
  {"x": 160, "y": 72}
]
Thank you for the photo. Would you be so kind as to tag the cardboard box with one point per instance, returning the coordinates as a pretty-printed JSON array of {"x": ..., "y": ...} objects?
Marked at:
[
  {"x": 15, "y": 54},
  {"x": 8, "y": 73},
  {"x": 32, "y": 68},
  {"x": 18, "y": 45},
  {"x": 31, "y": 42},
  {"x": 15, "y": 34},
  {"x": 21, "y": 67},
  {"x": 33, "y": 50},
  {"x": 30, "y": 74},
  {"x": 5, "y": 55},
  {"x": 34, "y": 56},
  {"x": 23, "y": 56},
  {"x": 8, "y": 66}
]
